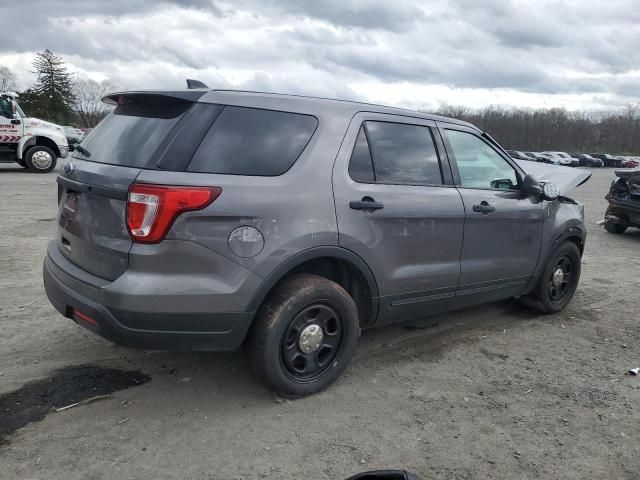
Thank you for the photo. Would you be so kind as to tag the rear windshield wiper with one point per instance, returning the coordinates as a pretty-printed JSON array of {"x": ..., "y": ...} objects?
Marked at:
[{"x": 83, "y": 151}]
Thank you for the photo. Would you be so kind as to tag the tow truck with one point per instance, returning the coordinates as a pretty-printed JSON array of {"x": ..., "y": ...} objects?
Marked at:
[{"x": 32, "y": 143}]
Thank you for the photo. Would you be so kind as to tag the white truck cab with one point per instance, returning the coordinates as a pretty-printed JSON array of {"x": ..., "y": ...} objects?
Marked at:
[{"x": 30, "y": 142}]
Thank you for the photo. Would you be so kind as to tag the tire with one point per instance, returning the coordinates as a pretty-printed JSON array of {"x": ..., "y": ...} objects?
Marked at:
[
  {"x": 542, "y": 298},
  {"x": 616, "y": 228},
  {"x": 276, "y": 341},
  {"x": 40, "y": 159}
]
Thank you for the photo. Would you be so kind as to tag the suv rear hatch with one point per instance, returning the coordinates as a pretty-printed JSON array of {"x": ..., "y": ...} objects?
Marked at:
[{"x": 93, "y": 187}]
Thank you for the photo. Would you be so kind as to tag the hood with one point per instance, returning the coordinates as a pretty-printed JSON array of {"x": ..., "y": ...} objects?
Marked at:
[
  {"x": 37, "y": 123},
  {"x": 565, "y": 178}
]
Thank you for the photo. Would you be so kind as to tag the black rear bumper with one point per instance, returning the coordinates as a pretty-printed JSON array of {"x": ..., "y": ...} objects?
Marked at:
[{"x": 214, "y": 334}]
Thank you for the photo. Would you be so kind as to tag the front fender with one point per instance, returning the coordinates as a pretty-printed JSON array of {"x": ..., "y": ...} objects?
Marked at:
[{"x": 563, "y": 220}]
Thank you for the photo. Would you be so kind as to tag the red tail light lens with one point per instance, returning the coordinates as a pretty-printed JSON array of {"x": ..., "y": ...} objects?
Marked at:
[{"x": 151, "y": 209}]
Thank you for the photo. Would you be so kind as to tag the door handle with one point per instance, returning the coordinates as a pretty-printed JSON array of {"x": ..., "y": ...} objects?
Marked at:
[
  {"x": 367, "y": 203},
  {"x": 484, "y": 208}
]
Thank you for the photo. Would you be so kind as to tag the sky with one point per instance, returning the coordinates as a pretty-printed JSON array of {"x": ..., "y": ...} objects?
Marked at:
[{"x": 582, "y": 54}]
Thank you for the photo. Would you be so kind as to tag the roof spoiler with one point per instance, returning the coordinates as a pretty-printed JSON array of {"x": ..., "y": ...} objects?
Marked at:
[{"x": 191, "y": 84}]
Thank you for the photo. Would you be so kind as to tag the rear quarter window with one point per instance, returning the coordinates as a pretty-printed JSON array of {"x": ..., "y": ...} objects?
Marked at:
[{"x": 255, "y": 142}]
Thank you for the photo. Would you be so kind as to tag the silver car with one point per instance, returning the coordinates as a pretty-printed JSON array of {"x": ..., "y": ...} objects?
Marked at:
[{"x": 206, "y": 220}]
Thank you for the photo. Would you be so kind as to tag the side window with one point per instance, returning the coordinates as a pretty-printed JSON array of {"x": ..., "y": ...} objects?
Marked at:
[
  {"x": 251, "y": 141},
  {"x": 5, "y": 108},
  {"x": 480, "y": 166},
  {"x": 361, "y": 165},
  {"x": 404, "y": 154}
]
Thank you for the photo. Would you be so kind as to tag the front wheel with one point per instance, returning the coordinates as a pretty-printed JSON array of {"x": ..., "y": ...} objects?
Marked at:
[
  {"x": 558, "y": 282},
  {"x": 40, "y": 159},
  {"x": 304, "y": 335}
]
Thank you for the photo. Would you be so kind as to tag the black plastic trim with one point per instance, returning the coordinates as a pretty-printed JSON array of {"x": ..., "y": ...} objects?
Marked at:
[
  {"x": 310, "y": 254},
  {"x": 85, "y": 187}
]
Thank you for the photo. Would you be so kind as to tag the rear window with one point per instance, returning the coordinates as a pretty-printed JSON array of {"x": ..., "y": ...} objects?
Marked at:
[
  {"x": 249, "y": 141},
  {"x": 133, "y": 132}
]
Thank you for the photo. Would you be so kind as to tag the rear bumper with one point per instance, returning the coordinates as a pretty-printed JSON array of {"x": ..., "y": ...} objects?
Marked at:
[{"x": 210, "y": 331}]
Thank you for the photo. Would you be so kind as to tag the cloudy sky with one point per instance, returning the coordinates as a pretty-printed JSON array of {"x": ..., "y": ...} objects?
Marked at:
[{"x": 580, "y": 54}]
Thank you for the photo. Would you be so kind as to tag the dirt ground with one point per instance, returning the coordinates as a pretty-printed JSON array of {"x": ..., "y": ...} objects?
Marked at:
[{"x": 489, "y": 392}]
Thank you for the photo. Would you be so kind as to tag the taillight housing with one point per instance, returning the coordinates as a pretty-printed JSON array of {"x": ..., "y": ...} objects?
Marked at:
[{"x": 151, "y": 209}]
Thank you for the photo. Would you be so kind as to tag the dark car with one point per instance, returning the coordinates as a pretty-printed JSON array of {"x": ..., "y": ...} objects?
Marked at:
[
  {"x": 609, "y": 160},
  {"x": 587, "y": 160},
  {"x": 288, "y": 224},
  {"x": 518, "y": 155},
  {"x": 624, "y": 202},
  {"x": 539, "y": 157}
]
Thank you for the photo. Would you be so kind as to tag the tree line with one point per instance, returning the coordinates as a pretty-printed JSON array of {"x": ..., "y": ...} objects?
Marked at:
[
  {"x": 60, "y": 97},
  {"x": 57, "y": 95},
  {"x": 557, "y": 129}
]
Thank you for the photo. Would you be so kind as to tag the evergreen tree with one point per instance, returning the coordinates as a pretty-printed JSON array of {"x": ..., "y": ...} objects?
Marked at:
[{"x": 54, "y": 87}]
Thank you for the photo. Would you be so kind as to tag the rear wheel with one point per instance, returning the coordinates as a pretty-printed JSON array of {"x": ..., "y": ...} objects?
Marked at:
[
  {"x": 616, "y": 228},
  {"x": 558, "y": 282},
  {"x": 304, "y": 336},
  {"x": 40, "y": 159}
]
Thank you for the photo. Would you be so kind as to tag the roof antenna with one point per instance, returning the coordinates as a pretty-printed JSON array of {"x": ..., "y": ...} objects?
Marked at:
[{"x": 191, "y": 84}]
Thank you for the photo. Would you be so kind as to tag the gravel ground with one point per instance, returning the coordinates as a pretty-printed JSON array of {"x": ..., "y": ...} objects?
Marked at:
[{"x": 489, "y": 392}]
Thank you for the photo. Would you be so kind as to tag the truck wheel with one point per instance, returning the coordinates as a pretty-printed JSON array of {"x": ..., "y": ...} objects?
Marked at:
[
  {"x": 304, "y": 335},
  {"x": 616, "y": 228},
  {"x": 558, "y": 282},
  {"x": 40, "y": 159}
]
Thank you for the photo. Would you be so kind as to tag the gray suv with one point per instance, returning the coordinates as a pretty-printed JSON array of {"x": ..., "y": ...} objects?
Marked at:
[{"x": 206, "y": 220}]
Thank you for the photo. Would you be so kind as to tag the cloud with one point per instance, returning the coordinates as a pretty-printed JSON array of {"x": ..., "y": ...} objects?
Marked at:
[{"x": 583, "y": 54}]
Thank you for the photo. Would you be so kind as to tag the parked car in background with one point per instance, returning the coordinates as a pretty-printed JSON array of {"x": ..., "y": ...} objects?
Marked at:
[
  {"x": 628, "y": 162},
  {"x": 518, "y": 155},
  {"x": 624, "y": 202},
  {"x": 587, "y": 160},
  {"x": 543, "y": 158},
  {"x": 609, "y": 160},
  {"x": 198, "y": 236},
  {"x": 564, "y": 158},
  {"x": 74, "y": 136}
]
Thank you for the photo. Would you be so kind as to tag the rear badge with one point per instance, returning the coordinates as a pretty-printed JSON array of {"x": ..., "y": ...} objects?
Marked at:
[{"x": 67, "y": 168}]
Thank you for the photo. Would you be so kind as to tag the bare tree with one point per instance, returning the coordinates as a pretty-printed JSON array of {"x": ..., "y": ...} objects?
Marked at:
[
  {"x": 7, "y": 80},
  {"x": 88, "y": 100}
]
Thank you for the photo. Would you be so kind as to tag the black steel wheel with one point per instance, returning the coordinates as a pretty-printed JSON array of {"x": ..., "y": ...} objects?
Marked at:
[
  {"x": 560, "y": 279},
  {"x": 303, "y": 336},
  {"x": 312, "y": 342},
  {"x": 558, "y": 282}
]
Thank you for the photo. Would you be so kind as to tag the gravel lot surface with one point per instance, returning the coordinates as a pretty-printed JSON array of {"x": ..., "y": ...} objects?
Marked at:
[{"x": 489, "y": 392}]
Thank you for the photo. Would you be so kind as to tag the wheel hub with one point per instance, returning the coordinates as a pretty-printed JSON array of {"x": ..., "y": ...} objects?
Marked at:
[
  {"x": 558, "y": 277},
  {"x": 310, "y": 338},
  {"x": 41, "y": 160}
]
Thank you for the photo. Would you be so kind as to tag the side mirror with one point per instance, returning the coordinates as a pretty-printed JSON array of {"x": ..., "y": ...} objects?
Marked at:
[
  {"x": 14, "y": 108},
  {"x": 531, "y": 186}
]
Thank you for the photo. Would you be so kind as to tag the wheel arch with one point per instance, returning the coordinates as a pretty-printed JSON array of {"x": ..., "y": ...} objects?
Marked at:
[
  {"x": 571, "y": 233},
  {"x": 38, "y": 140},
  {"x": 322, "y": 261}
]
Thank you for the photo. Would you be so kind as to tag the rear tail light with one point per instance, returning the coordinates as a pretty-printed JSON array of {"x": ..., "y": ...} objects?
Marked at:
[{"x": 151, "y": 209}]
